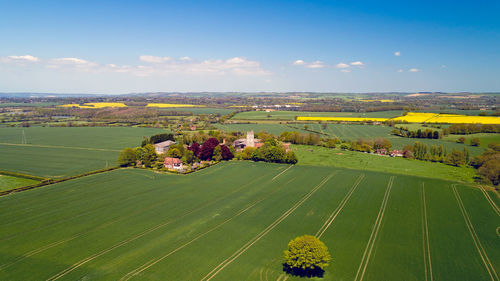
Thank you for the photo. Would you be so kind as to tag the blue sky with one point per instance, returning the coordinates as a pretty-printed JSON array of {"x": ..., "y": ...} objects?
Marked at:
[{"x": 331, "y": 46}]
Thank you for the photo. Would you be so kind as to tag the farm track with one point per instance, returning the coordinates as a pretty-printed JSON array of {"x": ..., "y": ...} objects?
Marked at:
[
  {"x": 259, "y": 236},
  {"x": 339, "y": 208},
  {"x": 373, "y": 236},
  {"x": 490, "y": 200},
  {"x": 480, "y": 249},
  {"x": 425, "y": 239},
  {"x": 143, "y": 233},
  {"x": 152, "y": 262},
  {"x": 57, "y": 146}
]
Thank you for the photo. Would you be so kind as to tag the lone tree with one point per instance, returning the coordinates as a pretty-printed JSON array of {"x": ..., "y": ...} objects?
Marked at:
[{"x": 306, "y": 256}]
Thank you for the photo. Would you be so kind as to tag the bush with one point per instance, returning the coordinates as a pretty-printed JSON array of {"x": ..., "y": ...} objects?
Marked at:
[
  {"x": 127, "y": 157},
  {"x": 306, "y": 256},
  {"x": 475, "y": 142}
]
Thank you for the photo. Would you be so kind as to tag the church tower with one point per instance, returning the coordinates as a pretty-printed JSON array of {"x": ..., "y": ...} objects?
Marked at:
[{"x": 250, "y": 139}]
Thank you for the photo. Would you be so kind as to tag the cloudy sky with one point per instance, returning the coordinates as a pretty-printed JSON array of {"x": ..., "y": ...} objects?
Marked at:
[{"x": 336, "y": 46}]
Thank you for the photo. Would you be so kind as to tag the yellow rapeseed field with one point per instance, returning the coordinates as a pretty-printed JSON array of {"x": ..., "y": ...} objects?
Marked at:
[
  {"x": 348, "y": 119},
  {"x": 415, "y": 117},
  {"x": 172, "y": 105},
  {"x": 95, "y": 105},
  {"x": 377, "y": 100}
]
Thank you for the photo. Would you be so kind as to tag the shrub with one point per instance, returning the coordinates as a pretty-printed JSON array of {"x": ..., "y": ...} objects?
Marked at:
[
  {"x": 475, "y": 142},
  {"x": 306, "y": 256}
]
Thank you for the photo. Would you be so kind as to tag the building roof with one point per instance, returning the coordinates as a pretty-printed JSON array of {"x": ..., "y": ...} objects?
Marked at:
[
  {"x": 172, "y": 161},
  {"x": 164, "y": 143}
]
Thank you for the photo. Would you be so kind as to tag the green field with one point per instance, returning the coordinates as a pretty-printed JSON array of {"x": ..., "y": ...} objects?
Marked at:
[
  {"x": 33, "y": 104},
  {"x": 275, "y": 129},
  {"x": 322, "y": 156},
  {"x": 60, "y": 152},
  {"x": 9, "y": 182},
  {"x": 201, "y": 110},
  {"x": 233, "y": 221},
  {"x": 485, "y": 138},
  {"x": 290, "y": 115}
]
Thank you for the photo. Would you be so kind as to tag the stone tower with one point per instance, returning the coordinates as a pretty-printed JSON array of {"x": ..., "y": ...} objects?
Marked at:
[{"x": 250, "y": 139}]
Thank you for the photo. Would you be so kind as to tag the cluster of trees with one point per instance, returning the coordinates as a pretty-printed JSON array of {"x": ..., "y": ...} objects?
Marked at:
[
  {"x": 211, "y": 149},
  {"x": 419, "y": 134},
  {"x": 298, "y": 138},
  {"x": 473, "y": 141},
  {"x": 271, "y": 151},
  {"x": 158, "y": 138},
  {"x": 466, "y": 129},
  {"x": 145, "y": 154},
  {"x": 363, "y": 145},
  {"x": 434, "y": 153},
  {"x": 488, "y": 164}
]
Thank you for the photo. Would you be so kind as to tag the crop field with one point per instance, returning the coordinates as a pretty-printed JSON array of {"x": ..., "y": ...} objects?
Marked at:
[
  {"x": 60, "y": 152},
  {"x": 275, "y": 129},
  {"x": 290, "y": 115},
  {"x": 485, "y": 138},
  {"x": 96, "y": 105},
  {"x": 355, "y": 131},
  {"x": 201, "y": 110},
  {"x": 170, "y": 105},
  {"x": 9, "y": 182},
  {"x": 137, "y": 225},
  {"x": 420, "y": 117}
]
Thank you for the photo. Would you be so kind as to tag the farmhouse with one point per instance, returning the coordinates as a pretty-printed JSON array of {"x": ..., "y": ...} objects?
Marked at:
[
  {"x": 173, "y": 163},
  {"x": 163, "y": 146}
]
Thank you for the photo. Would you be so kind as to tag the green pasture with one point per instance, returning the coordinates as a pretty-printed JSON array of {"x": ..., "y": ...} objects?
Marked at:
[
  {"x": 233, "y": 221},
  {"x": 290, "y": 115},
  {"x": 33, "y": 104},
  {"x": 322, "y": 156},
  {"x": 61, "y": 152},
  {"x": 10, "y": 182},
  {"x": 485, "y": 138}
]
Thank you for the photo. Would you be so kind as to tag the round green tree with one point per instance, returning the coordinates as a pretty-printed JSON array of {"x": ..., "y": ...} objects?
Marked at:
[{"x": 306, "y": 256}]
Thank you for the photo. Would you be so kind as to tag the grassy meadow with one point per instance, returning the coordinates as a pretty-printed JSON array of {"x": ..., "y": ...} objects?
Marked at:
[
  {"x": 60, "y": 152},
  {"x": 233, "y": 221},
  {"x": 10, "y": 182},
  {"x": 322, "y": 156}
]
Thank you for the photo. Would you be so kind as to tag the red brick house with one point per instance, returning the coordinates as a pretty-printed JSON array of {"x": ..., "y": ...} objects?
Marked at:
[{"x": 173, "y": 163}]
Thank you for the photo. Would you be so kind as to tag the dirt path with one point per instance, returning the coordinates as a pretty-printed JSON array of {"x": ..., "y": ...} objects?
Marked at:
[
  {"x": 339, "y": 208},
  {"x": 425, "y": 239},
  {"x": 484, "y": 256},
  {"x": 373, "y": 237}
]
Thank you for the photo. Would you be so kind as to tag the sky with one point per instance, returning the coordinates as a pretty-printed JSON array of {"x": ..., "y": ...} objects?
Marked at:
[{"x": 116, "y": 47}]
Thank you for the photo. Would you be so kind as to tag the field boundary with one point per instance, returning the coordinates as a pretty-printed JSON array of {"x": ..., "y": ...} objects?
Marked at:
[
  {"x": 339, "y": 208},
  {"x": 54, "y": 181},
  {"x": 263, "y": 233},
  {"x": 143, "y": 233},
  {"x": 57, "y": 146},
  {"x": 425, "y": 239},
  {"x": 373, "y": 236},
  {"x": 482, "y": 252}
]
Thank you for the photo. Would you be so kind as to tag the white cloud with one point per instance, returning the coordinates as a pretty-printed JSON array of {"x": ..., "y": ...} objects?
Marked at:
[
  {"x": 76, "y": 61},
  {"x": 400, "y": 70},
  {"x": 357, "y": 63},
  {"x": 342, "y": 65},
  {"x": 299, "y": 62},
  {"x": 316, "y": 64},
  {"x": 397, "y": 54},
  {"x": 414, "y": 70},
  {"x": 29, "y": 58},
  {"x": 185, "y": 58},
  {"x": 346, "y": 70},
  {"x": 154, "y": 59}
]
